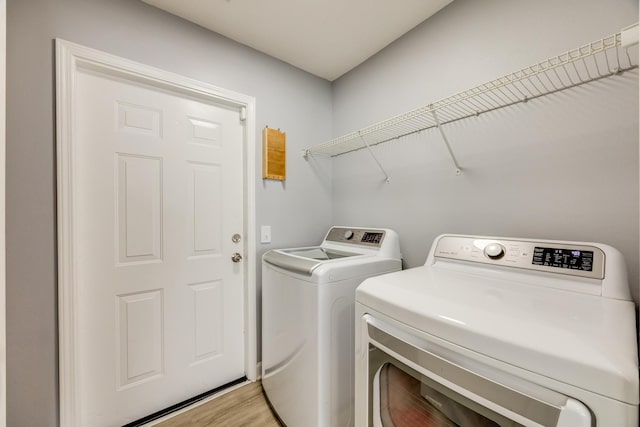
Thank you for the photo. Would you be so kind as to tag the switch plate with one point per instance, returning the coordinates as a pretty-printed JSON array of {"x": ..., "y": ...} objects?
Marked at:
[{"x": 265, "y": 234}]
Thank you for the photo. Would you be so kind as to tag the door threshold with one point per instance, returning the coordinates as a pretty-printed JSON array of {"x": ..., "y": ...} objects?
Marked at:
[{"x": 179, "y": 408}]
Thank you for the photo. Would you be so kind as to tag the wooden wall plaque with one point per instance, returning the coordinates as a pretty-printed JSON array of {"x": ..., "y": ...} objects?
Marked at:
[{"x": 274, "y": 154}]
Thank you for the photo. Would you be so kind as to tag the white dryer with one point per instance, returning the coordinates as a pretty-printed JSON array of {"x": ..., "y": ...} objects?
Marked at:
[
  {"x": 308, "y": 297},
  {"x": 499, "y": 332}
]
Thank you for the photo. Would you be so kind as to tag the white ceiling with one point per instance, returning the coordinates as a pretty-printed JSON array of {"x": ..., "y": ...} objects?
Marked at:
[{"x": 324, "y": 37}]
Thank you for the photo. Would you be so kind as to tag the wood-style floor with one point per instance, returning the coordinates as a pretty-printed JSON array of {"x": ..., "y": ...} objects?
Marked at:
[{"x": 245, "y": 406}]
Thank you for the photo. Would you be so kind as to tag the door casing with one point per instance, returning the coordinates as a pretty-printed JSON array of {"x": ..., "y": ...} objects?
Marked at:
[{"x": 70, "y": 58}]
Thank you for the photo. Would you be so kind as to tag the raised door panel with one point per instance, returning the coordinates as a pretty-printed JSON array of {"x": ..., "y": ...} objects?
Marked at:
[
  {"x": 139, "y": 207},
  {"x": 140, "y": 336},
  {"x": 205, "y": 217},
  {"x": 208, "y": 320}
]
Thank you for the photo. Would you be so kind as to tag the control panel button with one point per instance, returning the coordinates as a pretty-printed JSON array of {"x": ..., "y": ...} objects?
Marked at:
[
  {"x": 494, "y": 250},
  {"x": 348, "y": 234}
]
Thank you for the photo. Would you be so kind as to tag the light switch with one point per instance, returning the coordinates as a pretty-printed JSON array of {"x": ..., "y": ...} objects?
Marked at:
[{"x": 265, "y": 234}]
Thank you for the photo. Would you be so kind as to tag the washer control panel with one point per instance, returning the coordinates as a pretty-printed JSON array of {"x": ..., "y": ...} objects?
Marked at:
[
  {"x": 356, "y": 236},
  {"x": 553, "y": 257}
]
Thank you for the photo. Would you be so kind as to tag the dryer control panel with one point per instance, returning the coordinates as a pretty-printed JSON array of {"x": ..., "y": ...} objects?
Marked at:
[{"x": 549, "y": 256}]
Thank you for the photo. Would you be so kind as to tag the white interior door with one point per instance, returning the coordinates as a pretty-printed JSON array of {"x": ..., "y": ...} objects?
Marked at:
[{"x": 158, "y": 196}]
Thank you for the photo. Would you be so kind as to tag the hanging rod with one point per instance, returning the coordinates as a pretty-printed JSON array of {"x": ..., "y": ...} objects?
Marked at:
[{"x": 594, "y": 61}]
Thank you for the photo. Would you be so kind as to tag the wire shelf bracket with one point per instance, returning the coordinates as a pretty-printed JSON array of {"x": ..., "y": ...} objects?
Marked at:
[
  {"x": 386, "y": 175},
  {"x": 609, "y": 56},
  {"x": 446, "y": 141}
]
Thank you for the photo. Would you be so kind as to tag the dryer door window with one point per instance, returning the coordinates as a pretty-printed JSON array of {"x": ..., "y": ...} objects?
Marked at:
[
  {"x": 403, "y": 397},
  {"x": 412, "y": 381},
  {"x": 407, "y": 401}
]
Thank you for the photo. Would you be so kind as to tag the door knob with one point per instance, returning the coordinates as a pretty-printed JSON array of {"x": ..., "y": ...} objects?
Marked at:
[{"x": 236, "y": 257}]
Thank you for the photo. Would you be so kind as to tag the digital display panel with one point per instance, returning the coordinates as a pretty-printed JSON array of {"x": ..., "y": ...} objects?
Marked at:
[
  {"x": 571, "y": 259},
  {"x": 373, "y": 238}
]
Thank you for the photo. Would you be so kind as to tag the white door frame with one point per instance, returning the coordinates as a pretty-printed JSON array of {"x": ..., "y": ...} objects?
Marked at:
[
  {"x": 3, "y": 270},
  {"x": 70, "y": 58}
]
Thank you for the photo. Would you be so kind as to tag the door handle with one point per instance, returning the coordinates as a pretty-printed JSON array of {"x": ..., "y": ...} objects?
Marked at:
[{"x": 236, "y": 257}]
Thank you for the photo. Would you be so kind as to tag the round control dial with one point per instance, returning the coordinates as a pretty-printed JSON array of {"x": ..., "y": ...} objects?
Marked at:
[
  {"x": 348, "y": 234},
  {"x": 494, "y": 250}
]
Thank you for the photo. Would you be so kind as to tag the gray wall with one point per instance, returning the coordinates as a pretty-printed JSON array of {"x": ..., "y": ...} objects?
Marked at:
[
  {"x": 287, "y": 98},
  {"x": 561, "y": 167}
]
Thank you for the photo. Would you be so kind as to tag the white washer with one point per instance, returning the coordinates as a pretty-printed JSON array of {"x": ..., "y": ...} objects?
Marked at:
[
  {"x": 308, "y": 299},
  {"x": 499, "y": 332}
]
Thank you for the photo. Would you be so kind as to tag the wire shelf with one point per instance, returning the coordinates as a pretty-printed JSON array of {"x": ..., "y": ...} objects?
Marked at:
[{"x": 594, "y": 61}]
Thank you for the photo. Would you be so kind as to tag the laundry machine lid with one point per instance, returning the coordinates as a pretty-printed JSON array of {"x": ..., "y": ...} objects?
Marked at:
[
  {"x": 583, "y": 340},
  {"x": 345, "y": 252},
  {"x": 304, "y": 260}
]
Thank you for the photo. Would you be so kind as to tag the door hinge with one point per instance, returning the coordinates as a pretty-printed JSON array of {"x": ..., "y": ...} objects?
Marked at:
[{"x": 243, "y": 113}]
